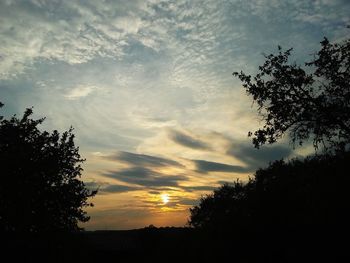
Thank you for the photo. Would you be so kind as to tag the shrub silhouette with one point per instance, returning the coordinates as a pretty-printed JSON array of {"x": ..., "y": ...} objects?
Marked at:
[
  {"x": 306, "y": 105},
  {"x": 40, "y": 189}
]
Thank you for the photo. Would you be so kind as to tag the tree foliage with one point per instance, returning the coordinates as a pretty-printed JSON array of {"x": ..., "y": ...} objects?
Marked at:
[
  {"x": 307, "y": 103},
  {"x": 218, "y": 208},
  {"x": 300, "y": 192},
  {"x": 40, "y": 188}
]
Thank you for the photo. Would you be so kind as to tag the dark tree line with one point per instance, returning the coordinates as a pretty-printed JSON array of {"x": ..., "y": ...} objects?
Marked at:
[
  {"x": 40, "y": 189},
  {"x": 310, "y": 192}
]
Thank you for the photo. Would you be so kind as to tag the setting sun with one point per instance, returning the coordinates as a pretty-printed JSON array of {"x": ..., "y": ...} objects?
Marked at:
[{"x": 165, "y": 198}]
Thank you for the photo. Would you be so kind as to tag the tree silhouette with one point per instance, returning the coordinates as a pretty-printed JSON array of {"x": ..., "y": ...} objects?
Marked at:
[
  {"x": 305, "y": 192},
  {"x": 307, "y": 105},
  {"x": 226, "y": 206},
  {"x": 40, "y": 189}
]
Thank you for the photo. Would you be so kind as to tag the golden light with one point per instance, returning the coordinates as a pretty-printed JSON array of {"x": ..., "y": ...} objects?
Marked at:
[{"x": 165, "y": 198}]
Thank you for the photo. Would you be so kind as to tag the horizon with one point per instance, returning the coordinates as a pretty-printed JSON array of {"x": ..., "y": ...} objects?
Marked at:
[{"x": 149, "y": 91}]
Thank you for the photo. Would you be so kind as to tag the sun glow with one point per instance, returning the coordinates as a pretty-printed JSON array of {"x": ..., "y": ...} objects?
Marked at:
[{"x": 165, "y": 198}]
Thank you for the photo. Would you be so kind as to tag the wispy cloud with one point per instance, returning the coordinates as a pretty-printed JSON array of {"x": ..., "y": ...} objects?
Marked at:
[
  {"x": 141, "y": 159},
  {"x": 259, "y": 158},
  {"x": 187, "y": 140},
  {"x": 106, "y": 188},
  {"x": 145, "y": 177},
  {"x": 80, "y": 92},
  {"x": 205, "y": 167},
  {"x": 199, "y": 188}
]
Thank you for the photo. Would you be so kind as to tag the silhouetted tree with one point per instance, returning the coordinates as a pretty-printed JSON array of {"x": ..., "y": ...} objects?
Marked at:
[
  {"x": 226, "y": 206},
  {"x": 305, "y": 192},
  {"x": 307, "y": 105},
  {"x": 289, "y": 211},
  {"x": 40, "y": 188}
]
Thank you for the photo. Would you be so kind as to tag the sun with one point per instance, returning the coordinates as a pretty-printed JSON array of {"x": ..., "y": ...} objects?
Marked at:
[{"x": 165, "y": 198}]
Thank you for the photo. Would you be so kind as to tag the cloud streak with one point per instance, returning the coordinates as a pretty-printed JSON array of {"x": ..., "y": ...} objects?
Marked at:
[
  {"x": 187, "y": 140},
  {"x": 141, "y": 159},
  {"x": 107, "y": 188},
  {"x": 258, "y": 158},
  {"x": 80, "y": 92},
  {"x": 145, "y": 177},
  {"x": 206, "y": 166}
]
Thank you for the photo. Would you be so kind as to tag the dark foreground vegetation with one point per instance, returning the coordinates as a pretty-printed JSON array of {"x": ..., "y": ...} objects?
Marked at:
[
  {"x": 303, "y": 244},
  {"x": 288, "y": 212},
  {"x": 298, "y": 193}
]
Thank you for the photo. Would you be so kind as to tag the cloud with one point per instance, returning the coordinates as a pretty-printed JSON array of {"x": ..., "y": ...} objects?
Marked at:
[
  {"x": 71, "y": 32},
  {"x": 258, "y": 158},
  {"x": 206, "y": 166},
  {"x": 145, "y": 177},
  {"x": 198, "y": 35},
  {"x": 142, "y": 160},
  {"x": 129, "y": 24},
  {"x": 105, "y": 188},
  {"x": 133, "y": 173},
  {"x": 188, "y": 201},
  {"x": 198, "y": 188},
  {"x": 187, "y": 140},
  {"x": 118, "y": 188},
  {"x": 92, "y": 185},
  {"x": 154, "y": 192},
  {"x": 80, "y": 91}
]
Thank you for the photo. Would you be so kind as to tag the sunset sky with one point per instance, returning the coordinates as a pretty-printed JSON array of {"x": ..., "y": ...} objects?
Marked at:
[{"x": 148, "y": 88}]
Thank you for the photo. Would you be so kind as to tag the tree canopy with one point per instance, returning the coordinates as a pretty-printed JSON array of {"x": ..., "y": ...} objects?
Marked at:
[
  {"x": 312, "y": 103},
  {"x": 40, "y": 188},
  {"x": 287, "y": 194}
]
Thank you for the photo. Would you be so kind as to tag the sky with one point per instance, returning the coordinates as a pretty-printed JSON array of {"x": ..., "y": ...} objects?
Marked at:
[{"x": 148, "y": 88}]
